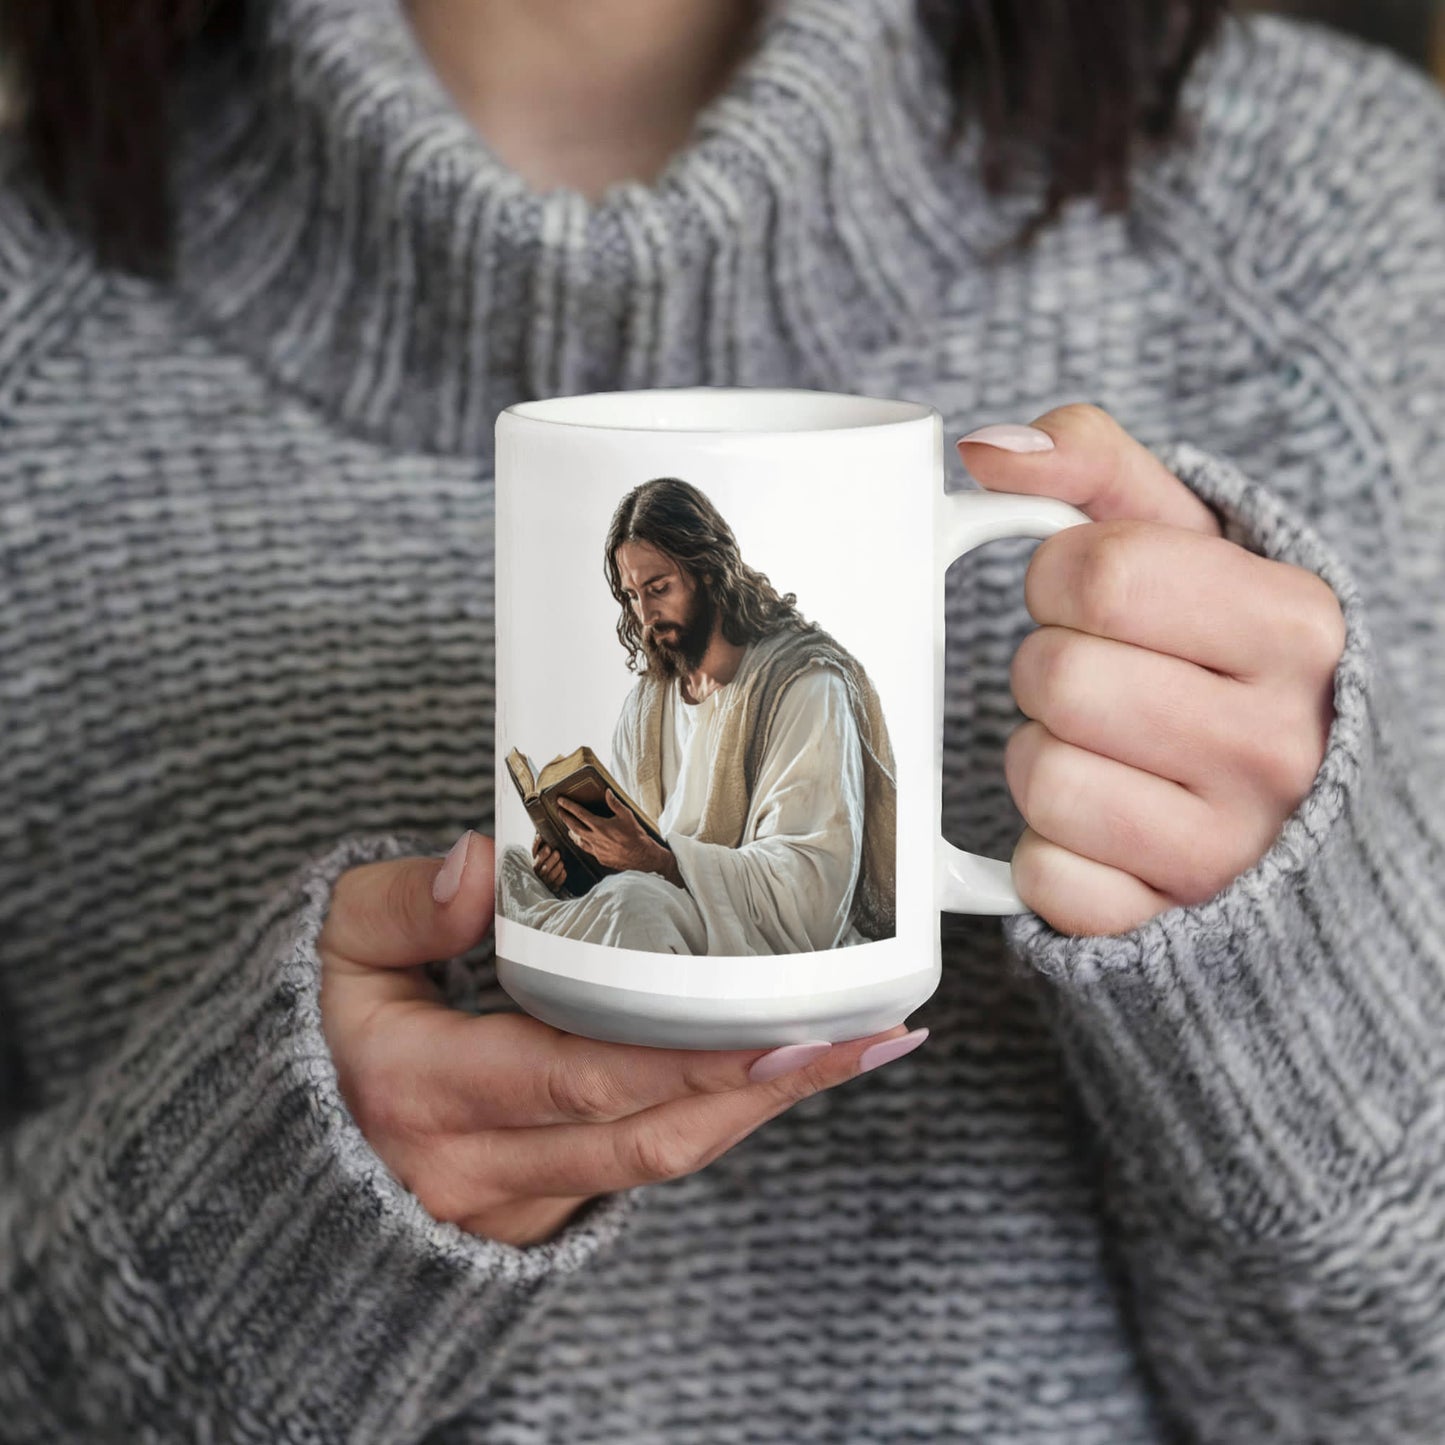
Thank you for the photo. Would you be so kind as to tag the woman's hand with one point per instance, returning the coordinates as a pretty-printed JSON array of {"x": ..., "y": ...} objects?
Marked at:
[
  {"x": 499, "y": 1123},
  {"x": 1180, "y": 689}
]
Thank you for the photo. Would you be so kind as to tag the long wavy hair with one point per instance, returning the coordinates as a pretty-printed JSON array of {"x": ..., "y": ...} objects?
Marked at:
[
  {"x": 1076, "y": 85},
  {"x": 677, "y": 519}
]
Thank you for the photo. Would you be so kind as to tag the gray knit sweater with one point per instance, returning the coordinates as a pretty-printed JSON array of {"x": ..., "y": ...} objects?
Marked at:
[{"x": 1187, "y": 1183}]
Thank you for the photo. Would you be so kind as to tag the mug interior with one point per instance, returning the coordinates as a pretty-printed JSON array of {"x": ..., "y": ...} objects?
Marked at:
[{"x": 721, "y": 409}]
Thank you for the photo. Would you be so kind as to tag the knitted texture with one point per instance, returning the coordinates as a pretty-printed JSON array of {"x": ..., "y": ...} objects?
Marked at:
[{"x": 1184, "y": 1183}]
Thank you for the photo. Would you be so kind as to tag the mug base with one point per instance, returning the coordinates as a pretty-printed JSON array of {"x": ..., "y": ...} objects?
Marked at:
[{"x": 668, "y": 1021}]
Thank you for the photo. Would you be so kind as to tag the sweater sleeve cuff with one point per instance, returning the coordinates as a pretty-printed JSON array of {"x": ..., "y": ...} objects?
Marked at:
[
  {"x": 1258, "y": 1057},
  {"x": 300, "y": 1278}
]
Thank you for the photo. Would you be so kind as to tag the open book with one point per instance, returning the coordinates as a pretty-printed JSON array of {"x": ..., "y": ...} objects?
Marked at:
[{"x": 581, "y": 777}]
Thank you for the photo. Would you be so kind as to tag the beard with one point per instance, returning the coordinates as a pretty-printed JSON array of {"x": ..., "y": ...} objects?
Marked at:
[{"x": 682, "y": 646}]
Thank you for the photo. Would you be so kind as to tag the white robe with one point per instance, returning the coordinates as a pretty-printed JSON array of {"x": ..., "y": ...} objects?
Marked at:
[{"x": 786, "y": 888}]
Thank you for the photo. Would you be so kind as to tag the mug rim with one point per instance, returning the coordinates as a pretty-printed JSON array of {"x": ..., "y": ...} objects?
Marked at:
[{"x": 908, "y": 413}]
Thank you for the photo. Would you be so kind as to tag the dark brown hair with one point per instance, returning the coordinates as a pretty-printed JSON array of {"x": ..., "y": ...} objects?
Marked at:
[
  {"x": 680, "y": 521},
  {"x": 1071, "y": 85}
]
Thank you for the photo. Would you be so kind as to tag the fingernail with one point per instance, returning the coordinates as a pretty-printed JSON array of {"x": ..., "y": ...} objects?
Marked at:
[
  {"x": 785, "y": 1060},
  {"x": 444, "y": 886},
  {"x": 1011, "y": 437},
  {"x": 890, "y": 1049}
]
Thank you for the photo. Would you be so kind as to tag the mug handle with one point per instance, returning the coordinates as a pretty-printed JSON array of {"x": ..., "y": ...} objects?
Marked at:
[{"x": 969, "y": 882}]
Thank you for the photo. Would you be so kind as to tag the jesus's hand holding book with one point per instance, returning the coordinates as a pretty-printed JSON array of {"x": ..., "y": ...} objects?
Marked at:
[{"x": 619, "y": 841}]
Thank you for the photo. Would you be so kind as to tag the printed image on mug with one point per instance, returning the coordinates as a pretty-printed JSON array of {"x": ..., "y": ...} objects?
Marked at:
[{"x": 701, "y": 755}]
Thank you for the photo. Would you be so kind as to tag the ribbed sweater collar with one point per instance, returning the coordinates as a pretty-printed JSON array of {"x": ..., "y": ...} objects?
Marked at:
[{"x": 343, "y": 223}]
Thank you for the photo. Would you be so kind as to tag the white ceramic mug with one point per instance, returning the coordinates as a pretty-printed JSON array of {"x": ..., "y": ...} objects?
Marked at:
[{"x": 785, "y": 879}]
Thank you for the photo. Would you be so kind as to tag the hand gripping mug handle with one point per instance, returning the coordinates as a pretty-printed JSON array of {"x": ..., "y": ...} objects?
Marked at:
[{"x": 969, "y": 882}]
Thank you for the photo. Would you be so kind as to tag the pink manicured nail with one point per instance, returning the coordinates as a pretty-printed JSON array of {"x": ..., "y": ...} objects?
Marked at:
[
  {"x": 444, "y": 886},
  {"x": 890, "y": 1049},
  {"x": 1011, "y": 437},
  {"x": 785, "y": 1060}
]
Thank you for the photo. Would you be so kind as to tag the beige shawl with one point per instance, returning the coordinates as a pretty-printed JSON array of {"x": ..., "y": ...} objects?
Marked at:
[{"x": 751, "y": 702}]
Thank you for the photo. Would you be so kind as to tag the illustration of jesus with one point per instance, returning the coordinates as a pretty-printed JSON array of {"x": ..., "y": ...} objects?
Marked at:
[{"x": 755, "y": 740}]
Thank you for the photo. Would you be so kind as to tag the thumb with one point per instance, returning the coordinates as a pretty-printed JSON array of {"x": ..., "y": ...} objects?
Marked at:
[
  {"x": 406, "y": 911},
  {"x": 1080, "y": 454}
]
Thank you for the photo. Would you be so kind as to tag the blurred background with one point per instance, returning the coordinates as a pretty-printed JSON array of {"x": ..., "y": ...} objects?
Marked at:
[{"x": 1415, "y": 28}]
